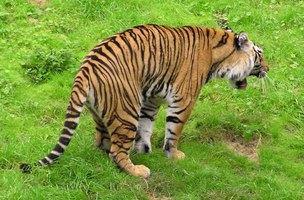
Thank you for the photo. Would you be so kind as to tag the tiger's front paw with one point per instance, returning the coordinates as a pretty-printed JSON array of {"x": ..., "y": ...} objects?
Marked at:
[
  {"x": 175, "y": 154},
  {"x": 139, "y": 170}
]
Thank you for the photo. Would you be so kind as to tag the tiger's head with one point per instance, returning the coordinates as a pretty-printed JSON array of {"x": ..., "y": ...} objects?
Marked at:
[{"x": 237, "y": 59}]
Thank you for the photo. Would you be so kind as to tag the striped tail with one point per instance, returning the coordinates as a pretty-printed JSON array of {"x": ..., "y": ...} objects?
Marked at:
[
  {"x": 78, "y": 98},
  {"x": 70, "y": 124}
]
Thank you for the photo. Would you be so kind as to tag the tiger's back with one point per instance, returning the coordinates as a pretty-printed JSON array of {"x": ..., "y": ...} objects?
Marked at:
[{"x": 146, "y": 60}]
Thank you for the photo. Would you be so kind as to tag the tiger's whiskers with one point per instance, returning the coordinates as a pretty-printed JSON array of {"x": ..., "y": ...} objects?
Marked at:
[{"x": 265, "y": 83}]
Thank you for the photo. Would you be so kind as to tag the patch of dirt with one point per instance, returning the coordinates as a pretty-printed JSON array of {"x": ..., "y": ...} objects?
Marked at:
[
  {"x": 152, "y": 196},
  {"x": 33, "y": 20},
  {"x": 242, "y": 147},
  {"x": 158, "y": 187},
  {"x": 39, "y": 3}
]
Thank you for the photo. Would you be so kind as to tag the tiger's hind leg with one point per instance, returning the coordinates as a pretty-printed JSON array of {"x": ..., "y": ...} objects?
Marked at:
[
  {"x": 145, "y": 126},
  {"x": 122, "y": 139},
  {"x": 102, "y": 137}
]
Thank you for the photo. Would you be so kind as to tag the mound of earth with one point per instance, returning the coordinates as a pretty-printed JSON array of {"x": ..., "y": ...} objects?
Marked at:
[
  {"x": 242, "y": 147},
  {"x": 39, "y": 3}
]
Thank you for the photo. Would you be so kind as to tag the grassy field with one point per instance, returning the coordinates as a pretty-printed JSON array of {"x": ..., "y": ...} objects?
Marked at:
[{"x": 41, "y": 49}]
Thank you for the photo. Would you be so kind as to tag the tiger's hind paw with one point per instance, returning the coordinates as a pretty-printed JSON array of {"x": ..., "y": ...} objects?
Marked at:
[
  {"x": 139, "y": 170},
  {"x": 175, "y": 154}
]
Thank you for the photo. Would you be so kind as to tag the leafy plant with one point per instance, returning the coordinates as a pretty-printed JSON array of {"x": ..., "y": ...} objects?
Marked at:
[{"x": 44, "y": 62}]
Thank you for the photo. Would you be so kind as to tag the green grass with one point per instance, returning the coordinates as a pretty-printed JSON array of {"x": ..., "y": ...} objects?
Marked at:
[{"x": 31, "y": 115}]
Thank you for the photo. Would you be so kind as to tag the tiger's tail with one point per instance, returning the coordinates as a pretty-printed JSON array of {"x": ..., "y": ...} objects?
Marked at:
[{"x": 78, "y": 98}]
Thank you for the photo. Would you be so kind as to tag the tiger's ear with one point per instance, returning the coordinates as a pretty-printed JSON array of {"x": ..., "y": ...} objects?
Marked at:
[{"x": 241, "y": 40}]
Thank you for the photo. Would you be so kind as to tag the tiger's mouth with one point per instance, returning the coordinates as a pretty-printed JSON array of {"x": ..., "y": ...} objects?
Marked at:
[
  {"x": 241, "y": 84},
  {"x": 259, "y": 72}
]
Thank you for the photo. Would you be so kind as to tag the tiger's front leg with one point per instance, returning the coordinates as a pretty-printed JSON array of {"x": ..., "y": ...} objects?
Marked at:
[
  {"x": 178, "y": 113},
  {"x": 145, "y": 126}
]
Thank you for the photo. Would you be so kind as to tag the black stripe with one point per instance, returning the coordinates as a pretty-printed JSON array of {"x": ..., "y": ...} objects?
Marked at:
[
  {"x": 78, "y": 77},
  {"x": 207, "y": 32},
  {"x": 45, "y": 161},
  {"x": 79, "y": 82},
  {"x": 65, "y": 131},
  {"x": 151, "y": 109},
  {"x": 171, "y": 132},
  {"x": 203, "y": 34},
  {"x": 58, "y": 148},
  {"x": 65, "y": 141},
  {"x": 223, "y": 41},
  {"x": 180, "y": 111},
  {"x": 173, "y": 106},
  {"x": 69, "y": 115},
  {"x": 70, "y": 125},
  {"x": 80, "y": 88},
  {"x": 52, "y": 156},
  {"x": 145, "y": 115},
  {"x": 70, "y": 108},
  {"x": 74, "y": 100},
  {"x": 214, "y": 33},
  {"x": 85, "y": 71},
  {"x": 132, "y": 128},
  {"x": 173, "y": 119},
  {"x": 177, "y": 100}
]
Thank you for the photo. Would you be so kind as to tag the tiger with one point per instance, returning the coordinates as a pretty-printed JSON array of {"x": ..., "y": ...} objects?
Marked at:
[{"x": 124, "y": 80}]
